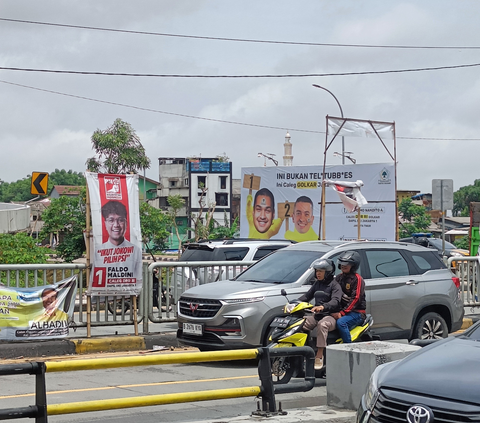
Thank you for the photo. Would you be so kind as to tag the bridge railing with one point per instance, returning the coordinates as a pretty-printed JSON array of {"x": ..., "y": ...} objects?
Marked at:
[{"x": 266, "y": 391}]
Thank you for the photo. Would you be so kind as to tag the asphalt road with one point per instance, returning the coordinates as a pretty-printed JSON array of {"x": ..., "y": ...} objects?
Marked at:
[{"x": 99, "y": 384}]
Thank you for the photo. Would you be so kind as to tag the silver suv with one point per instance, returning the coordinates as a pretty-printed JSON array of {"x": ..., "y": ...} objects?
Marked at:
[{"x": 410, "y": 294}]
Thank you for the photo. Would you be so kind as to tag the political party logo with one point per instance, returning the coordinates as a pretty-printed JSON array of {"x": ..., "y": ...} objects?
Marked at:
[
  {"x": 385, "y": 176},
  {"x": 113, "y": 189}
]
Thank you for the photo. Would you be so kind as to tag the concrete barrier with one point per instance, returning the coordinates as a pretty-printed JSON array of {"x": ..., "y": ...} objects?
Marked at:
[{"x": 349, "y": 367}]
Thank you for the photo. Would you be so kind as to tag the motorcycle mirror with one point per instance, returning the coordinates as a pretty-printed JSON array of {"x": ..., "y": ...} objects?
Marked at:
[{"x": 283, "y": 292}]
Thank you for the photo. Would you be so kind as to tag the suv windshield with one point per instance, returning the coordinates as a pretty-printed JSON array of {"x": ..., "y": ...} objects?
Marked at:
[{"x": 283, "y": 266}]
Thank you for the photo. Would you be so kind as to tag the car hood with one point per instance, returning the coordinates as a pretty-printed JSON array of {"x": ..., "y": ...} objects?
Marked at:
[
  {"x": 445, "y": 369},
  {"x": 231, "y": 289}
]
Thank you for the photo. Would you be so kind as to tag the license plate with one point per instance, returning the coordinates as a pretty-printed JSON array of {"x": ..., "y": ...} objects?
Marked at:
[
  {"x": 280, "y": 322},
  {"x": 193, "y": 328}
]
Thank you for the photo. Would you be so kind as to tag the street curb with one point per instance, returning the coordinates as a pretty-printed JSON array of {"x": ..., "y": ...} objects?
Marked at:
[{"x": 82, "y": 346}]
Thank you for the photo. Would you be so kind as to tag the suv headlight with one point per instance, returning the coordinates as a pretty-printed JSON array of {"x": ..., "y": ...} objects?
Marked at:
[
  {"x": 371, "y": 393},
  {"x": 243, "y": 300}
]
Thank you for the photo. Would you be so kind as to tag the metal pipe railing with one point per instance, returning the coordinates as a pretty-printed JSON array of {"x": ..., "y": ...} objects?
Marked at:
[{"x": 266, "y": 390}]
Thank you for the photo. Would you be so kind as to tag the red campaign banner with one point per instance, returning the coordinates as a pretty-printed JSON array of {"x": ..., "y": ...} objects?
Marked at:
[
  {"x": 113, "y": 187},
  {"x": 116, "y": 253}
]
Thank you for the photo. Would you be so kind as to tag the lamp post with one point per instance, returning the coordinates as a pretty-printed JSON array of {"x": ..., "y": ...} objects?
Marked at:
[
  {"x": 268, "y": 156},
  {"x": 341, "y": 114}
]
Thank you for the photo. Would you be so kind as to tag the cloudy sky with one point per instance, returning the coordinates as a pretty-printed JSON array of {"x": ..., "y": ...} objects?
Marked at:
[{"x": 47, "y": 119}]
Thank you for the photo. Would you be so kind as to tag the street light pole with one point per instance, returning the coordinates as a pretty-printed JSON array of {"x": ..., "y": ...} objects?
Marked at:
[{"x": 341, "y": 114}]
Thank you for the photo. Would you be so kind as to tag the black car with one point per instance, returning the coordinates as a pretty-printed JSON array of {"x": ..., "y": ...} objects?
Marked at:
[{"x": 438, "y": 383}]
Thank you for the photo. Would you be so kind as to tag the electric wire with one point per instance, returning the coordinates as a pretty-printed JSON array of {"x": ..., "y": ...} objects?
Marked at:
[
  {"x": 306, "y": 75},
  {"x": 243, "y": 40},
  {"x": 213, "y": 119}
]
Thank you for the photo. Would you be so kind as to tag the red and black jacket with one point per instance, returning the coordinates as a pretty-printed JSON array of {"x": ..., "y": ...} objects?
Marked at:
[{"x": 353, "y": 287}]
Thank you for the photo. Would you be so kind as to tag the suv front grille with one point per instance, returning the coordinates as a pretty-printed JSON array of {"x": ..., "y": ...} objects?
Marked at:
[
  {"x": 195, "y": 307},
  {"x": 390, "y": 409}
]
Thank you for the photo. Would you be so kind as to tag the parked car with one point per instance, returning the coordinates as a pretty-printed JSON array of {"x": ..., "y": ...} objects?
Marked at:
[
  {"x": 410, "y": 294},
  {"x": 426, "y": 240},
  {"x": 436, "y": 383},
  {"x": 245, "y": 250}
]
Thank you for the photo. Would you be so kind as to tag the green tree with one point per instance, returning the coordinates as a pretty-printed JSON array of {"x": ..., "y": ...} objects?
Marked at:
[
  {"x": 414, "y": 218},
  {"x": 64, "y": 177},
  {"x": 20, "y": 249},
  {"x": 16, "y": 191},
  {"x": 20, "y": 190},
  {"x": 66, "y": 216},
  {"x": 118, "y": 150},
  {"x": 224, "y": 232},
  {"x": 176, "y": 203},
  {"x": 462, "y": 243},
  {"x": 154, "y": 225},
  {"x": 463, "y": 197}
]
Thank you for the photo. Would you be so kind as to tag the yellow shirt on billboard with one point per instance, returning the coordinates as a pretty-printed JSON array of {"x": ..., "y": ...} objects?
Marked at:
[
  {"x": 253, "y": 233},
  {"x": 294, "y": 235}
]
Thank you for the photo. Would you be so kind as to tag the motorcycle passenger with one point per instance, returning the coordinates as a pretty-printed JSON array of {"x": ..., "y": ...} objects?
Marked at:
[
  {"x": 353, "y": 303},
  {"x": 327, "y": 294}
]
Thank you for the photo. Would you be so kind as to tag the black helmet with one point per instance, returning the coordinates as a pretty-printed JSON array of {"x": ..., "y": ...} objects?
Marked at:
[
  {"x": 324, "y": 264},
  {"x": 350, "y": 257}
]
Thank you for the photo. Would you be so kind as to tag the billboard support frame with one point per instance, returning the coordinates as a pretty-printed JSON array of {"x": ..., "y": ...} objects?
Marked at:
[{"x": 371, "y": 124}]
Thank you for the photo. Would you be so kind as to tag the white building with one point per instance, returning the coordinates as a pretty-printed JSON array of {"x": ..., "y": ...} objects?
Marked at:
[{"x": 201, "y": 182}]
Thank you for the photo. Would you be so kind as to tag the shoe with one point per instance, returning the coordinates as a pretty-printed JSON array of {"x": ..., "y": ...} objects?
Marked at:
[{"x": 318, "y": 363}]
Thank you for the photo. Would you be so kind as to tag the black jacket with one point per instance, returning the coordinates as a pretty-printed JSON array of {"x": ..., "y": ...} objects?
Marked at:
[
  {"x": 353, "y": 288},
  {"x": 327, "y": 293}
]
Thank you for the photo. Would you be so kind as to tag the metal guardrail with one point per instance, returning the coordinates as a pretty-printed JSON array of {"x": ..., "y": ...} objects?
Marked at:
[
  {"x": 467, "y": 269},
  {"x": 176, "y": 277},
  {"x": 173, "y": 279},
  {"x": 266, "y": 391}
]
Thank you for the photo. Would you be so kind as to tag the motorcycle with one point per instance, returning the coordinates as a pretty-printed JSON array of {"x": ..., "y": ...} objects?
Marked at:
[{"x": 287, "y": 331}]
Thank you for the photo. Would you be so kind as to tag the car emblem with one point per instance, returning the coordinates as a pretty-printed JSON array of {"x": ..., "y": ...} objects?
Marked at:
[
  {"x": 419, "y": 414},
  {"x": 193, "y": 307}
]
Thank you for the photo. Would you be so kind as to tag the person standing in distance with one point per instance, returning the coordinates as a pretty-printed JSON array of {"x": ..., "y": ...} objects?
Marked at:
[
  {"x": 260, "y": 215},
  {"x": 354, "y": 303},
  {"x": 327, "y": 294}
]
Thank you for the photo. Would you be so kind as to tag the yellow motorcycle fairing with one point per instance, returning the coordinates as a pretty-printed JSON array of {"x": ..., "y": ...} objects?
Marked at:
[
  {"x": 354, "y": 333},
  {"x": 297, "y": 307},
  {"x": 295, "y": 340}
]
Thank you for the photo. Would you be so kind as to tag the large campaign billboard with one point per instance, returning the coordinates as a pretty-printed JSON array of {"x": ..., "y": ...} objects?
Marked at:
[
  {"x": 284, "y": 202},
  {"x": 117, "y": 246}
]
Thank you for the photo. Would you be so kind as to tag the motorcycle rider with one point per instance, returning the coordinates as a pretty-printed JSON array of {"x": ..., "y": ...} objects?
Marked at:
[
  {"x": 353, "y": 303},
  {"x": 327, "y": 294}
]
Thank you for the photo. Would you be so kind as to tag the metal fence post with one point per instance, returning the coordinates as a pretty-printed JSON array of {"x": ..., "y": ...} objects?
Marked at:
[
  {"x": 41, "y": 393},
  {"x": 265, "y": 374}
]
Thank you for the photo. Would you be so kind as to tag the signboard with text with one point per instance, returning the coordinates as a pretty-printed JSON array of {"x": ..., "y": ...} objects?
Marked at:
[
  {"x": 117, "y": 249},
  {"x": 284, "y": 202}
]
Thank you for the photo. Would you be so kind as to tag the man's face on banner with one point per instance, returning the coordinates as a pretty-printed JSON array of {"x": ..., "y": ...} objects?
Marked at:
[
  {"x": 116, "y": 226},
  {"x": 49, "y": 299},
  {"x": 302, "y": 217},
  {"x": 262, "y": 213}
]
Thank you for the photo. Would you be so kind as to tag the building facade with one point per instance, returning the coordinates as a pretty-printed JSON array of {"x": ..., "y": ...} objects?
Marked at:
[{"x": 205, "y": 184}]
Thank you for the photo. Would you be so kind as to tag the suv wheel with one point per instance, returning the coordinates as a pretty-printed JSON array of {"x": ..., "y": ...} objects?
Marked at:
[{"x": 430, "y": 326}]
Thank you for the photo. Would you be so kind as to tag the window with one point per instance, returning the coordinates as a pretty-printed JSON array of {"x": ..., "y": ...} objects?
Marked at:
[
  {"x": 427, "y": 260},
  {"x": 263, "y": 251},
  {"x": 386, "y": 263},
  {"x": 223, "y": 182},
  {"x": 186, "y": 182},
  {"x": 201, "y": 182},
  {"x": 221, "y": 199},
  {"x": 173, "y": 184}
]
